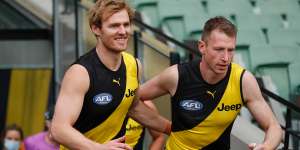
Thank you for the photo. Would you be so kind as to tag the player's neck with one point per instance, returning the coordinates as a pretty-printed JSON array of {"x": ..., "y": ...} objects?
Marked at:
[{"x": 111, "y": 59}]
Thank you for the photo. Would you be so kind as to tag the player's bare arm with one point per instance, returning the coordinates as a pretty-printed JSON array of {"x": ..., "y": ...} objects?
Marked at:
[
  {"x": 147, "y": 117},
  {"x": 158, "y": 139},
  {"x": 261, "y": 112},
  {"x": 163, "y": 83}
]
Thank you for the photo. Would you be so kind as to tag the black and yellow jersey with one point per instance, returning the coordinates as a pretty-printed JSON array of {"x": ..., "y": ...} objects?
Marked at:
[
  {"x": 202, "y": 113},
  {"x": 135, "y": 133},
  {"x": 110, "y": 94}
]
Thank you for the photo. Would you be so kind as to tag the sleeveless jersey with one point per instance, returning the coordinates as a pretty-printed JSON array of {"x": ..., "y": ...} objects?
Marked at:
[
  {"x": 202, "y": 113},
  {"x": 135, "y": 133},
  {"x": 110, "y": 94}
]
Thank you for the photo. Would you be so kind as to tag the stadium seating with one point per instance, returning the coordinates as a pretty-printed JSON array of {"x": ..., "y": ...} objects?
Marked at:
[
  {"x": 278, "y": 6},
  {"x": 228, "y": 7},
  {"x": 242, "y": 56},
  {"x": 172, "y": 19},
  {"x": 268, "y": 54},
  {"x": 194, "y": 24},
  {"x": 249, "y": 37},
  {"x": 149, "y": 11},
  {"x": 139, "y": 3},
  {"x": 284, "y": 36},
  {"x": 274, "y": 61},
  {"x": 255, "y": 22},
  {"x": 293, "y": 21}
]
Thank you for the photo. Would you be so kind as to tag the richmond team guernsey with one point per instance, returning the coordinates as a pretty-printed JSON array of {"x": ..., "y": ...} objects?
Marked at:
[
  {"x": 202, "y": 113},
  {"x": 110, "y": 94},
  {"x": 135, "y": 133}
]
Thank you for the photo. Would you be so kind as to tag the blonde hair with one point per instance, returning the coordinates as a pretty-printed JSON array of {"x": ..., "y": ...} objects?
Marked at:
[
  {"x": 218, "y": 23},
  {"x": 103, "y": 9}
]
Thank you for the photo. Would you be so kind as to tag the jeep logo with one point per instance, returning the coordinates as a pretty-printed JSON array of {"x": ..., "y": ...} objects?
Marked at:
[
  {"x": 191, "y": 105},
  {"x": 130, "y": 92},
  {"x": 235, "y": 107},
  {"x": 102, "y": 99}
]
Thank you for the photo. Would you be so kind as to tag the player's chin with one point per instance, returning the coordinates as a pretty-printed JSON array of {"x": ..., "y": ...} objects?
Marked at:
[
  {"x": 221, "y": 71},
  {"x": 118, "y": 50},
  {"x": 121, "y": 47}
]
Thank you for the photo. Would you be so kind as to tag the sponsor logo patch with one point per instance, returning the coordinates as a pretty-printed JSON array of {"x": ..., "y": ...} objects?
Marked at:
[
  {"x": 234, "y": 107},
  {"x": 191, "y": 105},
  {"x": 102, "y": 99},
  {"x": 134, "y": 127},
  {"x": 130, "y": 93}
]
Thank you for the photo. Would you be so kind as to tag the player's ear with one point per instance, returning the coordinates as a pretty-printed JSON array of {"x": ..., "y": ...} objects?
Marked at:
[
  {"x": 201, "y": 47},
  {"x": 96, "y": 30}
]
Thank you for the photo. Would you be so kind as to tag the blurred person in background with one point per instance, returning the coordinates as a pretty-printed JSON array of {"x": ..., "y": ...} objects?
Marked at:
[
  {"x": 42, "y": 140},
  {"x": 12, "y": 137}
]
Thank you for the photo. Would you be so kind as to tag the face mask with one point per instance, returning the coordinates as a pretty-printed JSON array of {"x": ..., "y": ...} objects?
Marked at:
[{"x": 11, "y": 144}]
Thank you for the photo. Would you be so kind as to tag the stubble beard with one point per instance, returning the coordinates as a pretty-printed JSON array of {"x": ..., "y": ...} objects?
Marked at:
[{"x": 116, "y": 48}]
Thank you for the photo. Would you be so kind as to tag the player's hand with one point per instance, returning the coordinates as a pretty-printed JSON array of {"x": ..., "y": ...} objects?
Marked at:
[
  {"x": 254, "y": 146},
  {"x": 116, "y": 144}
]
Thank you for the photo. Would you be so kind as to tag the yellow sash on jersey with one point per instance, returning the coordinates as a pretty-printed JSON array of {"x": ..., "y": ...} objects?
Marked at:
[
  {"x": 210, "y": 129},
  {"x": 133, "y": 132}
]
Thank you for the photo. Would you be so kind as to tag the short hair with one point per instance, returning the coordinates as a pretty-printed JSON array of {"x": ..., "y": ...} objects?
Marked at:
[
  {"x": 103, "y": 9},
  {"x": 218, "y": 23},
  {"x": 12, "y": 127}
]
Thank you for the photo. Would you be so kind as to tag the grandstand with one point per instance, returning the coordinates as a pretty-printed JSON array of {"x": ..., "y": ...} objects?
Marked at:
[{"x": 37, "y": 46}]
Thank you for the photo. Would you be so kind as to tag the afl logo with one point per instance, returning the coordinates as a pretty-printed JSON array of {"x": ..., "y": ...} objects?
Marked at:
[
  {"x": 102, "y": 99},
  {"x": 191, "y": 105}
]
